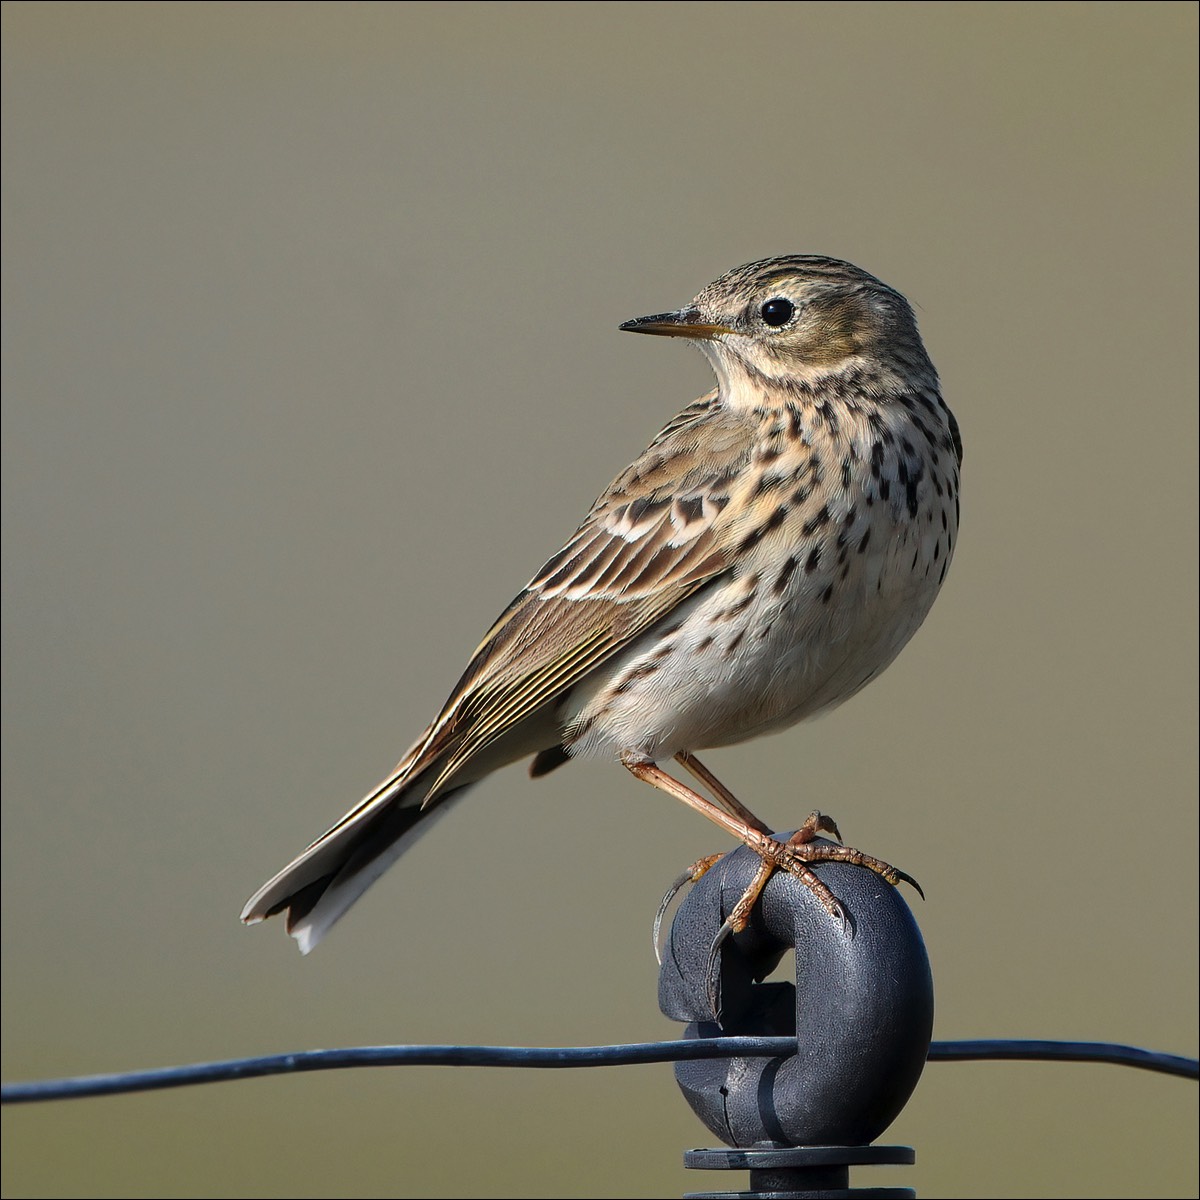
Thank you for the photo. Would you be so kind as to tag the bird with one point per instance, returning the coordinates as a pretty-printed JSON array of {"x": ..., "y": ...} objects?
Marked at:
[{"x": 768, "y": 554}]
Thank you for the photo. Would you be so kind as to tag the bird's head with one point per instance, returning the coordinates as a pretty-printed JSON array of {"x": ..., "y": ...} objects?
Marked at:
[{"x": 796, "y": 320}]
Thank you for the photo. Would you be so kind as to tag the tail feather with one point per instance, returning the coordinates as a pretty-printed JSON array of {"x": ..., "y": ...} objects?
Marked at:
[
  {"x": 316, "y": 907},
  {"x": 317, "y": 887}
]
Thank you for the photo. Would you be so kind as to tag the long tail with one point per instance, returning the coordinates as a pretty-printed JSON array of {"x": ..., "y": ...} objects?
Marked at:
[{"x": 319, "y": 885}]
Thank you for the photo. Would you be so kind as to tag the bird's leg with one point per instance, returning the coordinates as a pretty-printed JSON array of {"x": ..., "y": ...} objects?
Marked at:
[
  {"x": 790, "y": 855},
  {"x": 740, "y": 827},
  {"x": 817, "y": 823},
  {"x": 793, "y": 856},
  {"x": 697, "y": 870},
  {"x": 690, "y": 763}
]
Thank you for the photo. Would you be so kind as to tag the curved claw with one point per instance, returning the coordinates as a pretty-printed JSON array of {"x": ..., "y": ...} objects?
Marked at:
[
  {"x": 819, "y": 822},
  {"x": 691, "y": 875},
  {"x": 683, "y": 878},
  {"x": 905, "y": 877},
  {"x": 712, "y": 969}
]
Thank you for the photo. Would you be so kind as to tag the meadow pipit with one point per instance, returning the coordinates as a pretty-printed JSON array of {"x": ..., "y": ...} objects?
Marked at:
[{"x": 768, "y": 554}]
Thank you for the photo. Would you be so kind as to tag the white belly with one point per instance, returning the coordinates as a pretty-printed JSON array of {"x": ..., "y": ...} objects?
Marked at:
[{"x": 745, "y": 661}]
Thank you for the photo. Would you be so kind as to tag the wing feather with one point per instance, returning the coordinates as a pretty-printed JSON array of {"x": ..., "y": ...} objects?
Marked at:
[{"x": 656, "y": 535}]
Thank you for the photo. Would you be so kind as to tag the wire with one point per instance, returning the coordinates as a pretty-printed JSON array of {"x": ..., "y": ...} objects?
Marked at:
[
  {"x": 1032, "y": 1050},
  {"x": 550, "y": 1056}
]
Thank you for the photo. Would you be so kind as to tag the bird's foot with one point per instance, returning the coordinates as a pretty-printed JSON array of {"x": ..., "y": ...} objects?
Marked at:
[{"x": 795, "y": 855}]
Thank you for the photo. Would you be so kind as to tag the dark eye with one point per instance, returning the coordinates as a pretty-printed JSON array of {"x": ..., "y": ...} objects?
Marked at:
[{"x": 778, "y": 311}]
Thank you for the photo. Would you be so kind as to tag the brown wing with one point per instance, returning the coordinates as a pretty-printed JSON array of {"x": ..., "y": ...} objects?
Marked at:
[{"x": 654, "y": 537}]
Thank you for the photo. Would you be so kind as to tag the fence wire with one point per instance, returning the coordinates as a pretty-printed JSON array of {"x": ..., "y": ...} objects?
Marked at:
[{"x": 544, "y": 1057}]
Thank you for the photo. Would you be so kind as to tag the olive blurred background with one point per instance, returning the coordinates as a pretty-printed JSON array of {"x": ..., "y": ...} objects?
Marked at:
[{"x": 310, "y": 359}]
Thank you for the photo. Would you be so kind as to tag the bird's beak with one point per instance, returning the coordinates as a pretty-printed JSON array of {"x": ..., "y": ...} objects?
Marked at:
[{"x": 686, "y": 322}]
